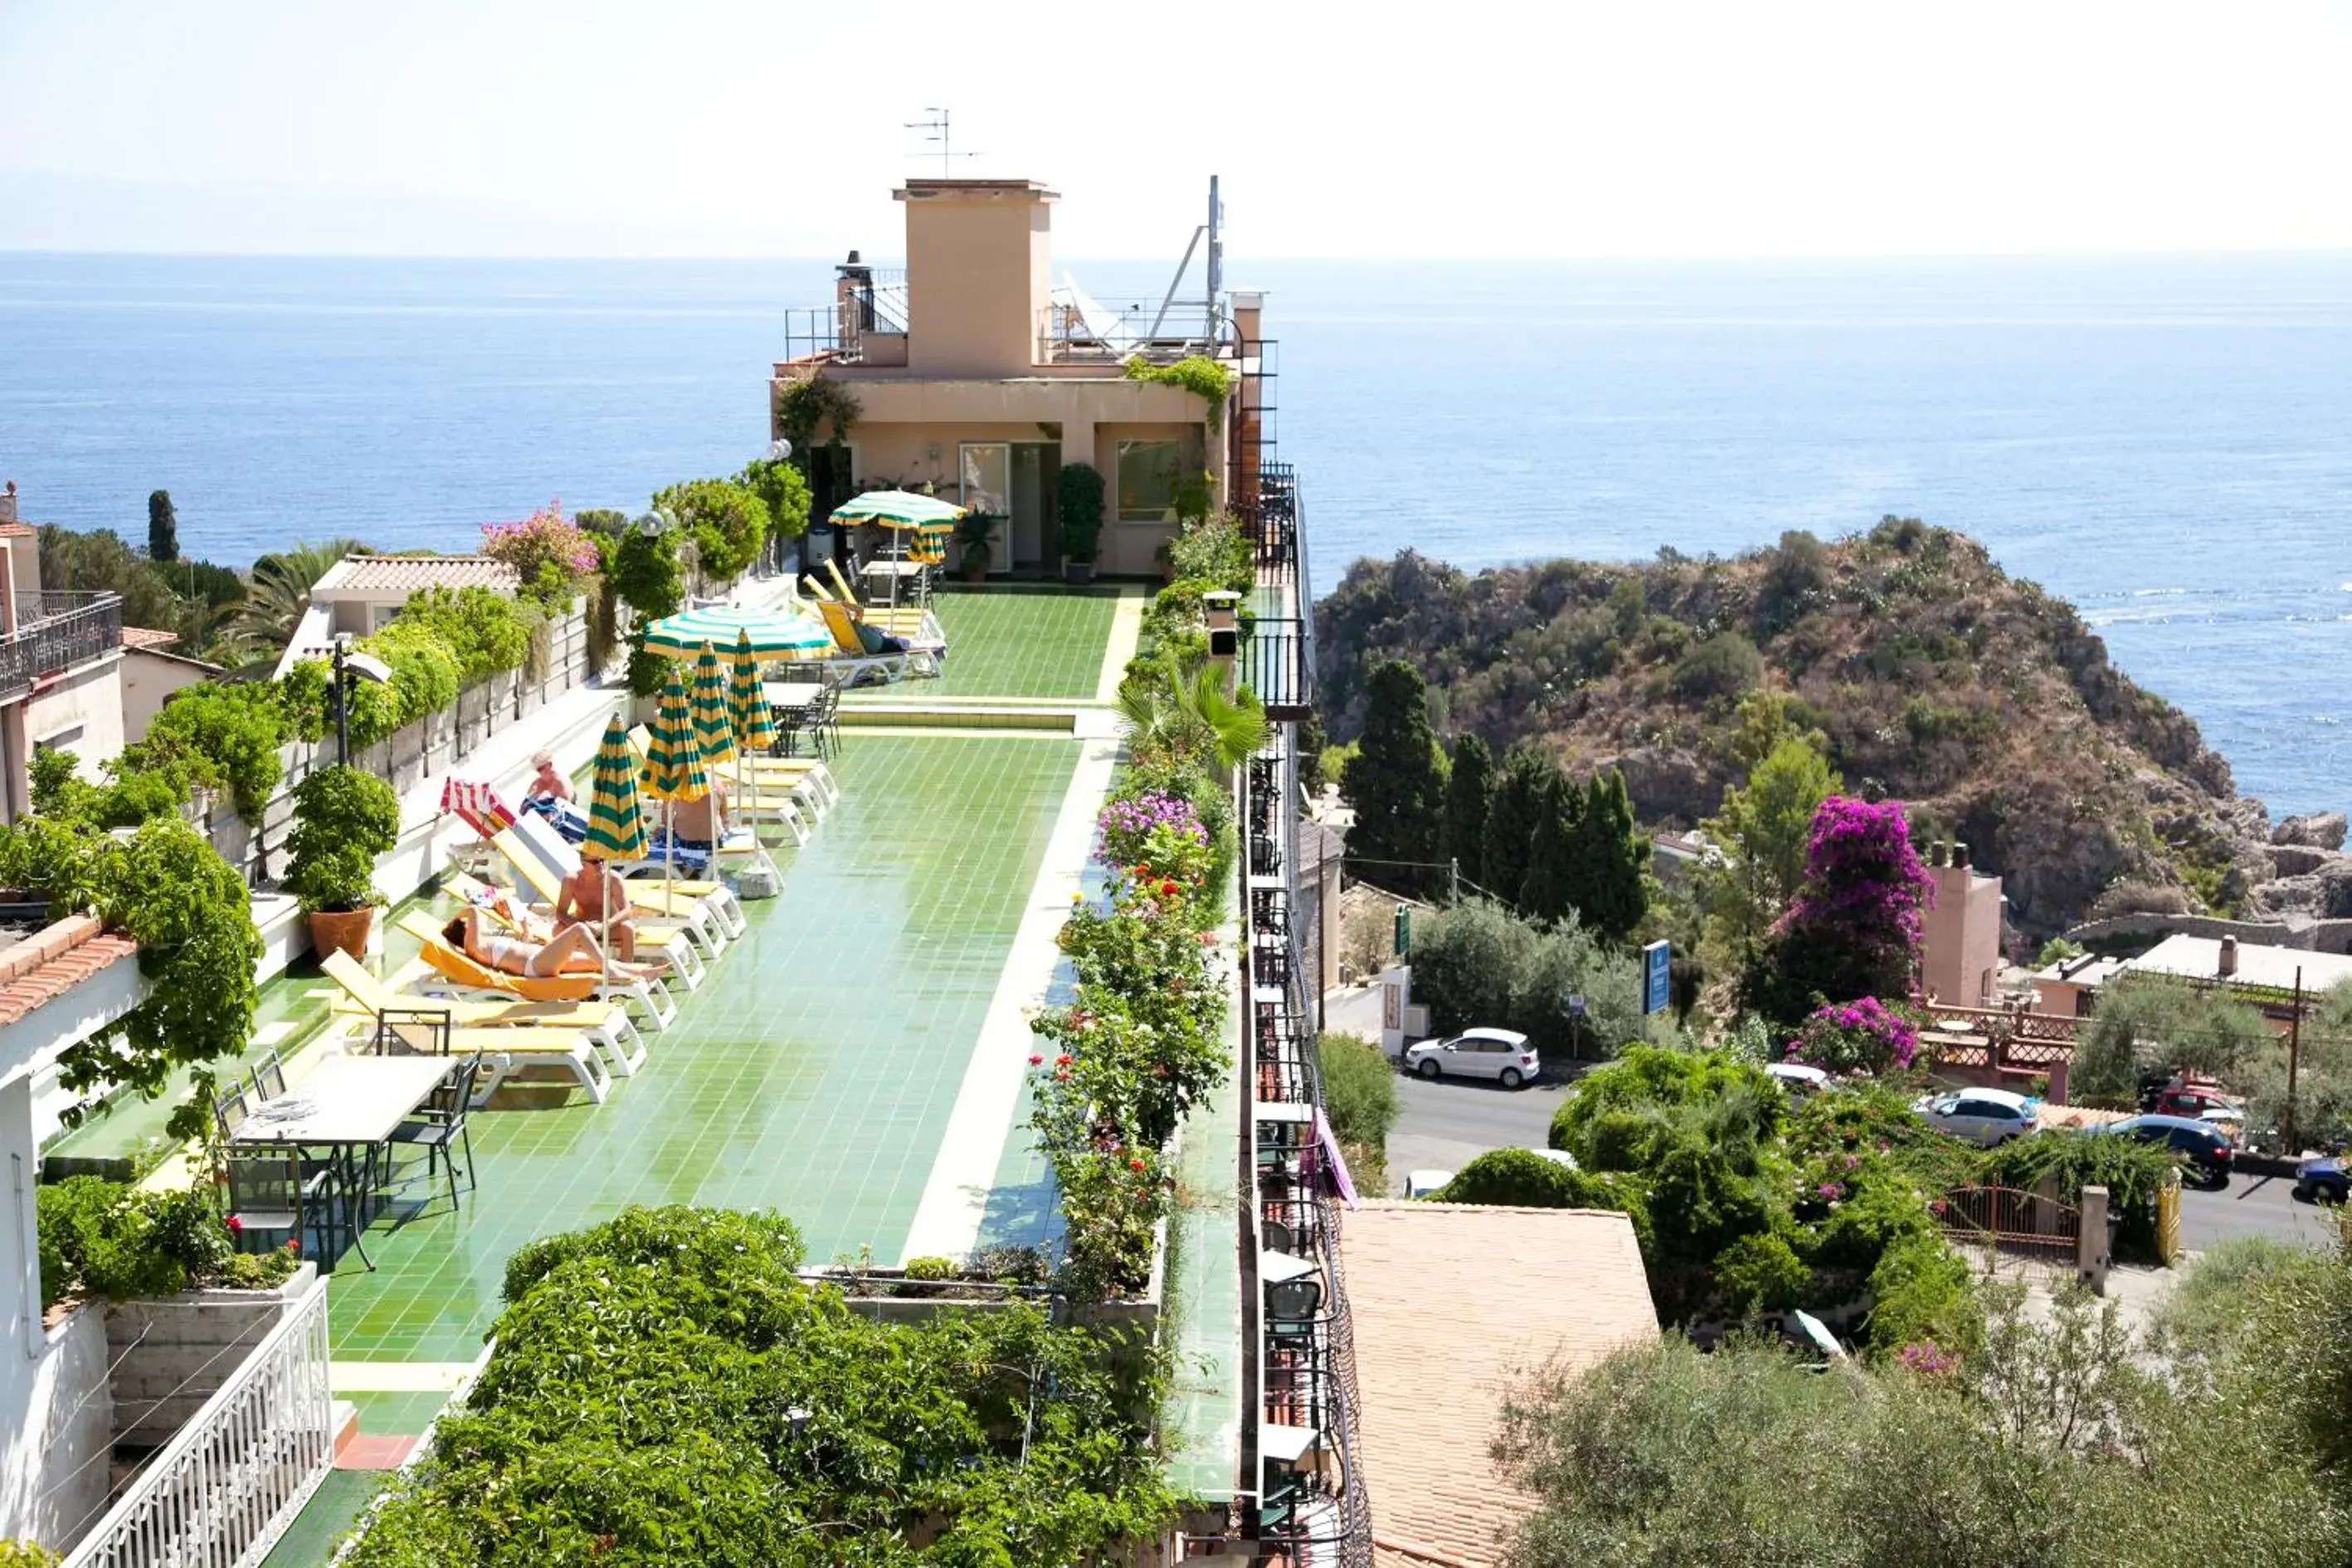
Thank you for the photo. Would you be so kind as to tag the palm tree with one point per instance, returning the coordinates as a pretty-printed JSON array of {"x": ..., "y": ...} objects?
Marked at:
[
  {"x": 276, "y": 594},
  {"x": 1182, "y": 711}
]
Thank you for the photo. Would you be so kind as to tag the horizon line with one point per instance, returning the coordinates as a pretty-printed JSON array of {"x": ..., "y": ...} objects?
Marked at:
[{"x": 1643, "y": 258}]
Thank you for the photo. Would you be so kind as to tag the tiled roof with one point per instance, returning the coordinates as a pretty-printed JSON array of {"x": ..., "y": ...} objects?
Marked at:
[
  {"x": 1455, "y": 1305},
  {"x": 391, "y": 576},
  {"x": 51, "y": 962},
  {"x": 147, "y": 636},
  {"x": 19, "y": 531}
]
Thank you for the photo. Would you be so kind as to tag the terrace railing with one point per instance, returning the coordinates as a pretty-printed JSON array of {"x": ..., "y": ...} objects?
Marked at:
[
  {"x": 56, "y": 631},
  {"x": 220, "y": 1493},
  {"x": 1073, "y": 334}
]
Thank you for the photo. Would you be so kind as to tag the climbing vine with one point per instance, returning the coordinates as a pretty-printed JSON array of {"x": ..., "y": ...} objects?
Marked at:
[{"x": 1201, "y": 376}]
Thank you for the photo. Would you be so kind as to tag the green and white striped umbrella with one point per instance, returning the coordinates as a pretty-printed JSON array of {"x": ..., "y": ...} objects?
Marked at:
[
  {"x": 755, "y": 724},
  {"x": 616, "y": 820},
  {"x": 674, "y": 769},
  {"x": 772, "y": 633},
  {"x": 714, "y": 723},
  {"x": 898, "y": 509}
]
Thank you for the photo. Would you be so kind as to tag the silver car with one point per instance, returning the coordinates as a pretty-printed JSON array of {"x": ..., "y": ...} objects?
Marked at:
[{"x": 1988, "y": 1116}]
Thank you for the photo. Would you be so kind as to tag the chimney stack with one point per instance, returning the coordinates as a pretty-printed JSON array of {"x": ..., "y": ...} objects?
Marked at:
[
  {"x": 1936, "y": 854},
  {"x": 2229, "y": 956},
  {"x": 1959, "y": 855},
  {"x": 8, "y": 503}
]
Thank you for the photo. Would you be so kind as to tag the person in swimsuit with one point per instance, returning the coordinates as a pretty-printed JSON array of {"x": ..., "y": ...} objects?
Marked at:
[
  {"x": 571, "y": 951},
  {"x": 546, "y": 784},
  {"x": 583, "y": 898}
]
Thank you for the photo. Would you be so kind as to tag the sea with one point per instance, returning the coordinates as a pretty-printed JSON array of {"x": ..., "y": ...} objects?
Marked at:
[{"x": 2165, "y": 441}]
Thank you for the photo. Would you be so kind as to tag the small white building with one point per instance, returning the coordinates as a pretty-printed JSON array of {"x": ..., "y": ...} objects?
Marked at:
[{"x": 361, "y": 594}]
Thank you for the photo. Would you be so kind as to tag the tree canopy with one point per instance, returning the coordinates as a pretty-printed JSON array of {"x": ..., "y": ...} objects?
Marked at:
[{"x": 1397, "y": 785}]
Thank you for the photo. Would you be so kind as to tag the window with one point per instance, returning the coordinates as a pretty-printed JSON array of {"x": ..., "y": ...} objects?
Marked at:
[
  {"x": 60, "y": 739},
  {"x": 1148, "y": 476}
]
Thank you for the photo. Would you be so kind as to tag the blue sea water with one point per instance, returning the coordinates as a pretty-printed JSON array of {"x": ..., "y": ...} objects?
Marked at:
[{"x": 2165, "y": 442}]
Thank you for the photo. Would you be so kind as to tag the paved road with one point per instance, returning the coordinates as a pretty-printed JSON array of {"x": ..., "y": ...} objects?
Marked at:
[{"x": 1441, "y": 1126}]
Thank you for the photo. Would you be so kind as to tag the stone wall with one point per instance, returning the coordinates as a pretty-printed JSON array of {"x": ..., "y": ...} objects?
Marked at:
[
  {"x": 171, "y": 1355},
  {"x": 2310, "y": 935},
  {"x": 55, "y": 1483}
]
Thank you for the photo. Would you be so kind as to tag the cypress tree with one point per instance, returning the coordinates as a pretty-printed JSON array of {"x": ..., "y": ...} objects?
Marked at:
[
  {"x": 1394, "y": 783},
  {"x": 1553, "y": 872},
  {"x": 163, "y": 528},
  {"x": 1610, "y": 858},
  {"x": 1469, "y": 789},
  {"x": 1514, "y": 805}
]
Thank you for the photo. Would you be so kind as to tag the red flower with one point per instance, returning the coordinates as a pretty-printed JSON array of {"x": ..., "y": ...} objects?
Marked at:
[
  {"x": 235, "y": 1223},
  {"x": 1168, "y": 890},
  {"x": 1036, "y": 1061},
  {"x": 1062, "y": 1061},
  {"x": 1135, "y": 1164},
  {"x": 294, "y": 1245}
]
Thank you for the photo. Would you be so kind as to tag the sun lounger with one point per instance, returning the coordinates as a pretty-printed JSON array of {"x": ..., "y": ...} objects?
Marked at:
[
  {"x": 483, "y": 998},
  {"x": 850, "y": 657},
  {"x": 674, "y": 941},
  {"x": 808, "y": 779},
  {"x": 506, "y": 1052},
  {"x": 726, "y": 916},
  {"x": 918, "y": 628},
  {"x": 542, "y": 861},
  {"x": 563, "y": 1002}
]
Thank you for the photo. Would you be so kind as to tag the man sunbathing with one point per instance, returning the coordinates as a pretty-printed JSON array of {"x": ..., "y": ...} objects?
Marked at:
[
  {"x": 591, "y": 895},
  {"x": 569, "y": 951}
]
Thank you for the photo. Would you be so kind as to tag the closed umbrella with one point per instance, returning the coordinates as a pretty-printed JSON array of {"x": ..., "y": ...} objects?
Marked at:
[
  {"x": 674, "y": 769},
  {"x": 616, "y": 820},
  {"x": 772, "y": 633},
  {"x": 755, "y": 728},
  {"x": 714, "y": 722}
]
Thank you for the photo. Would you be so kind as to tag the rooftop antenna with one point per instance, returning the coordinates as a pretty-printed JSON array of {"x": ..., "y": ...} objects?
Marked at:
[
  {"x": 938, "y": 129},
  {"x": 1214, "y": 231}
]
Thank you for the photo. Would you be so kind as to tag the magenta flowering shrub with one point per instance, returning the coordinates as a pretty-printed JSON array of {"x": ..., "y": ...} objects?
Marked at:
[
  {"x": 1852, "y": 928},
  {"x": 1928, "y": 1360},
  {"x": 549, "y": 553},
  {"x": 1864, "y": 1035}
]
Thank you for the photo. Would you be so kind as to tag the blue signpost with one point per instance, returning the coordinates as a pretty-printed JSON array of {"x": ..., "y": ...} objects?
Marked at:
[{"x": 1656, "y": 959}]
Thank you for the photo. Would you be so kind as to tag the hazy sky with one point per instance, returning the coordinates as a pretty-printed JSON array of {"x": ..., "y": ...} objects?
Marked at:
[{"x": 1562, "y": 128}]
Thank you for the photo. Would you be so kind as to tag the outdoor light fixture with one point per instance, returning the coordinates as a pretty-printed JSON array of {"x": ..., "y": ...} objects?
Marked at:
[
  {"x": 652, "y": 525},
  {"x": 366, "y": 666},
  {"x": 779, "y": 450}
]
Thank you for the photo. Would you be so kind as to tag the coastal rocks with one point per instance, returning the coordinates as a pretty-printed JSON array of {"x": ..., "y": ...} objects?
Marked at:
[
  {"x": 2323, "y": 830},
  {"x": 2297, "y": 859}
]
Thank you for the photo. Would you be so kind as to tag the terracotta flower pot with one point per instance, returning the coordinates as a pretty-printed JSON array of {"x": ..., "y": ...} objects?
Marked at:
[{"x": 345, "y": 931}]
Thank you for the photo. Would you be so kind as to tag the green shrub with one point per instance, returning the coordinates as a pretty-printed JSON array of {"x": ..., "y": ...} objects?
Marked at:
[
  {"x": 1920, "y": 1292},
  {"x": 1360, "y": 1093},
  {"x": 1647, "y": 1075},
  {"x": 106, "y": 1238},
  {"x": 217, "y": 737},
  {"x": 1760, "y": 1273},
  {"x": 485, "y": 632},
  {"x": 712, "y": 1242},
  {"x": 932, "y": 1268},
  {"x": 2147, "y": 1023},
  {"x": 1521, "y": 1178},
  {"x": 343, "y": 820},
  {"x": 1476, "y": 964},
  {"x": 1724, "y": 664},
  {"x": 1078, "y": 502}
]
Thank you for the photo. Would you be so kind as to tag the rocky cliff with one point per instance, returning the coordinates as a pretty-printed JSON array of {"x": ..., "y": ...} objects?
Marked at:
[{"x": 1936, "y": 678}]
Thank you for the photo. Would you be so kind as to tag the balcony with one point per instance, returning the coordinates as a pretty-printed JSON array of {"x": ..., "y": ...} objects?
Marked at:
[
  {"x": 1074, "y": 330},
  {"x": 865, "y": 324},
  {"x": 1278, "y": 661},
  {"x": 56, "y": 631}
]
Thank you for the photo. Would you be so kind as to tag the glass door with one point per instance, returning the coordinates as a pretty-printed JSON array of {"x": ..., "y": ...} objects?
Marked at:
[
  {"x": 986, "y": 467},
  {"x": 1027, "y": 530}
]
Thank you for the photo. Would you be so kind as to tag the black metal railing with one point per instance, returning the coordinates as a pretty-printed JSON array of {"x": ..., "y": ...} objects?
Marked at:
[{"x": 55, "y": 631}]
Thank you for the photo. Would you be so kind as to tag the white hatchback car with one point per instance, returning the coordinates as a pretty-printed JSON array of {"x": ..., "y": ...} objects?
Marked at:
[
  {"x": 1503, "y": 1055},
  {"x": 1986, "y": 1116}
]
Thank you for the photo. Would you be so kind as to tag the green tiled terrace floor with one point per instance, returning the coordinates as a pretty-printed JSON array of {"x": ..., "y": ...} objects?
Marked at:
[
  {"x": 1022, "y": 642},
  {"x": 812, "y": 1073}
]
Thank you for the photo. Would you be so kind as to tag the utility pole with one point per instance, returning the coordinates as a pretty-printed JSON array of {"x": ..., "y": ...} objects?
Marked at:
[
  {"x": 1454, "y": 863},
  {"x": 2294, "y": 1058}
]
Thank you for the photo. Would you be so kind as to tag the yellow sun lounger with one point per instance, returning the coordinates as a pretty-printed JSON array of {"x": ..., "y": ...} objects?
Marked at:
[
  {"x": 524, "y": 1002},
  {"x": 912, "y": 622},
  {"x": 689, "y": 929},
  {"x": 710, "y": 909},
  {"x": 808, "y": 779},
  {"x": 651, "y": 995}
]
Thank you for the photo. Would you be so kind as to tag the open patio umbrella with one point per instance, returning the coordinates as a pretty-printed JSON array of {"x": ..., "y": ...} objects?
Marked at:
[
  {"x": 929, "y": 519},
  {"x": 774, "y": 634},
  {"x": 616, "y": 820},
  {"x": 755, "y": 727},
  {"x": 673, "y": 770}
]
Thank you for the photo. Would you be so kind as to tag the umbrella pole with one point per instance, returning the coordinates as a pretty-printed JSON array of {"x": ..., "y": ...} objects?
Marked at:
[{"x": 605, "y": 902}]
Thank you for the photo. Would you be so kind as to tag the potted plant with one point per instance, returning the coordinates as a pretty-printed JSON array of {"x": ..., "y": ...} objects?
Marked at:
[
  {"x": 974, "y": 536},
  {"x": 1078, "y": 502},
  {"x": 343, "y": 819}
]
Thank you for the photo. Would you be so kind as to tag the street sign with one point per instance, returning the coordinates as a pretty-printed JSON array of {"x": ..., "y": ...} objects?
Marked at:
[
  {"x": 1404, "y": 930},
  {"x": 1576, "y": 1006},
  {"x": 1655, "y": 960}
]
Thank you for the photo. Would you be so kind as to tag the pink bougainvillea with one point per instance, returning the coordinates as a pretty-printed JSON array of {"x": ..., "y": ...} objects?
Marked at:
[
  {"x": 546, "y": 539},
  {"x": 1862, "y": 1036},
  {"x": 1853, "y": 928}
]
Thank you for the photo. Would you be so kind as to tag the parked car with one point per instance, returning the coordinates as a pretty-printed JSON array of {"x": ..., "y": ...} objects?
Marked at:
[
  {"x": 2197, "y": 1103},
  {"x": 1421, "y": 1184},
  {"x": 1503, "y": 1055},
  {"x": 2202, "y": 1144},
  {"x": 1988, "y": 1116},
  {"x": 1799, "y": 1080},
  {"x": 2323, "y": 1180}
]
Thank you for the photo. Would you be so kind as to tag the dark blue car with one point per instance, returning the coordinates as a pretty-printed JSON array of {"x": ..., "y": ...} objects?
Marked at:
[{"x": 2323, "y": 1181}]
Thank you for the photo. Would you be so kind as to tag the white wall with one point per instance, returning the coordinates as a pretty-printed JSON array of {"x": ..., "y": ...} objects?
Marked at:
[
  {"x": 89, "y": 700},
  {"x": 56, "y": 1417},
  {"x": 148, "y": 681}
]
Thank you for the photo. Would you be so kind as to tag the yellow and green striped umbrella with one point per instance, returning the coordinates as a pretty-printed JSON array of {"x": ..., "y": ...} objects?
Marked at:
[
  {"x": 714, "y": 726},
  {"x": 755, "y": 725},
  {"x": 616, "y": 821},
  {"x": 674, "y": 769},
  {"x": 771, "y": 632}
]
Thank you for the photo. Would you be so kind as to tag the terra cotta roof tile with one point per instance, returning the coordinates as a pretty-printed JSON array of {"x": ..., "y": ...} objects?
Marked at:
[{"x": 45, "y": 965}]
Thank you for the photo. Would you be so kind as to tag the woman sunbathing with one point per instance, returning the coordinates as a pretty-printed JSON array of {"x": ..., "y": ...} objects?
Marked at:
[{"x": 571, "y": 951}]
